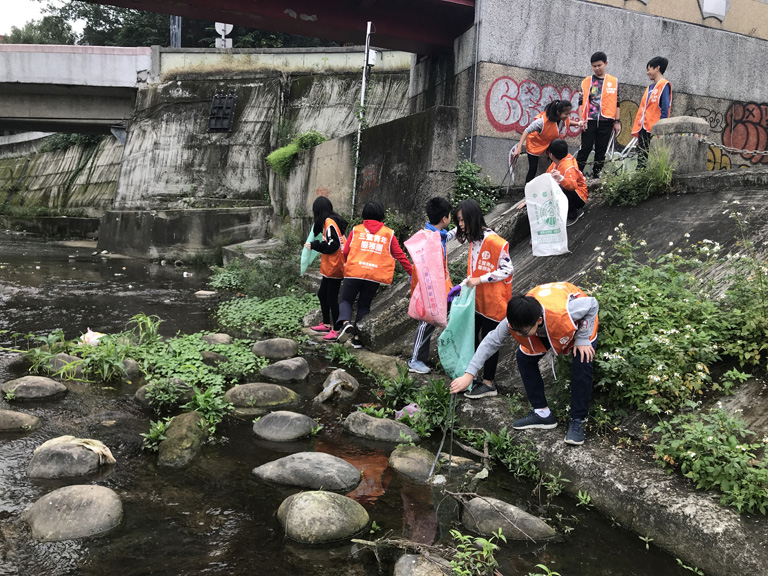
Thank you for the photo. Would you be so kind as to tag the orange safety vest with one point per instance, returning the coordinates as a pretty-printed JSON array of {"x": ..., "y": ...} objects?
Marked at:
[
  {"x": 569, "y": 169},
  {"x": 649, "y": 111},
  {"x": 561, "y": 328},
  {"x": 332, "y": 265},
  {"x": 538, "y": 141},
  {"x": 609, "y": 100},
  {"x": 369, "y": 257},
  {"x": 490, "y": 298}
]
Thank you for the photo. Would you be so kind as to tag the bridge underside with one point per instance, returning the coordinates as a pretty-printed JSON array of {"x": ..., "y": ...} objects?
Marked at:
[
  {"x": 57, "y": 108},
  {"x": 419, "y": 26}
]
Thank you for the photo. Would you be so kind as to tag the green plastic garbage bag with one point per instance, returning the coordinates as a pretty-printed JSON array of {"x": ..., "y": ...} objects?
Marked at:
[
  {"x": 308, "y": 256},
  {"x": 456, "y": 344}
]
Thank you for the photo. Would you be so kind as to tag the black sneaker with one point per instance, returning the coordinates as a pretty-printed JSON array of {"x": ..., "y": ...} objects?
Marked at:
[
  {"x": 533, "y": 420},
  {"x": 575, "y": 435},
  {"x": 571, "y": 220},
  {"x": 346, "y": 331},
  {"x": 480, "y": 390},
  {"x": 356, "y": 342}
]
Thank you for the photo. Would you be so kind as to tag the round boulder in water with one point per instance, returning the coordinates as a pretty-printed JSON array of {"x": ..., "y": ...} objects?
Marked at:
[
  {"x": 412, "y": 461},
  {"x": 318, "y": 517},
  {"x": 62, "y": 461},
  {"x": 383, "y": 429},
  {"x": 33, "y": 388},
  {"x": 12, "y": 421},
  {"x": 276, "y": 348},
  {"x": 218, "y": 338},
  {"x": 283, "y": 426},
  {"x": 74, "y": 512},
  {"x": 257, "y": 397},
  {"x": 287, "y": 370},
  {"x": 315, "y": 470},
  {"x": 485, "y": 516},
  {"x": 183, "y": 440},
  {"x": 417, "y": 565}
]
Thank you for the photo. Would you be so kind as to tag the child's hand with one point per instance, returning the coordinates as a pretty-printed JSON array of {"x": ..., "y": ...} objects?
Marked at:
[
  {"x": 472, "y": 282},
  {"x": 557, "y": 176},
  {"x": 461, "y": 383},
  {"x": 307, "y": 246}
]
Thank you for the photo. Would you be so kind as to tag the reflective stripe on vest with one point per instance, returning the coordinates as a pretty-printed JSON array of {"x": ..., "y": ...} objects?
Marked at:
[
  {"x": 491, "y": 298},
  {"x": 569, "y": 163},
  {"x": 369, "y": 257},
  {"x": 560, "y": 327},
  {"x": 332, "y": 265},
  {"x": 609, "y": 99},
  {"x": 538, "y": 141},
  {"x": 649, "y": 111}
]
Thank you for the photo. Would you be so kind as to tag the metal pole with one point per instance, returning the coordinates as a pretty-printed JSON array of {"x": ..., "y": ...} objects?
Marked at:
[
  {"x": 175, "y": 31},
  {"x": 474, "y": 84},
  {"x": 361, "y": 114}
]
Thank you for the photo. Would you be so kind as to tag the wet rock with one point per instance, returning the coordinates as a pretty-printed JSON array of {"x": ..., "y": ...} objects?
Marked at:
[
  {"x": 255, "y": 398},
  {"x": 383, "y": 429},
  {"x": 379, "y": 363},
  {"x": 485, "y": 516},
  {"x": 219, "y": 338},
  {"x": 458, "y": 462},
  {"x": 70, "y": 366},
  {"x": 11, "y": 421},
  {"x": 63, "y": 461},
  {"x": 287, "y": 370},
  {"x": 183, "y": 439},
  {"x": 33, "y": 388},
  {"x": 412, "y": 461},
  {"x": 74, "y": 512},
  {"x": 283, "y": 426},
  {"x": 276, "y": 348},
  {"x": 212, "y": 358},
  {"x": 314, "y": 470},
  {"x": 339, "y": 384},
  {"x": 416, "y": 565},
  {"x": 203, "y": 294},
  {"x": 312, "y": 318},
  {"x": 132, "y": 368},
  {"x": 20, "y": 362},
  {"x": 317, "y": 517}
]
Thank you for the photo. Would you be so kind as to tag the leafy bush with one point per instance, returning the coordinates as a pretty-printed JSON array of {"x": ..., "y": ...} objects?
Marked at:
[
  {"x": 62, "y": 141},
  {"x": 211, "y": 405},
  {"x": 434, "y": 400},
  {"x": 280, "y": 316},
  {"x": 281, "y": 160},
  {"x": 631, "y": 188},
  {"x": 475, "y": 555},
  {"x": 714, "y": 452},
  {"x": 520, "y": 458},
  {"x": 468, "y": 184}
]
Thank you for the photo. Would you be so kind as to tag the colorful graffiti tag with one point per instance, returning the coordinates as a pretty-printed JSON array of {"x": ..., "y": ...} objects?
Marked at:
[
  {"x": 510, "y": 106},
  {"x": 746, "y": 128}
]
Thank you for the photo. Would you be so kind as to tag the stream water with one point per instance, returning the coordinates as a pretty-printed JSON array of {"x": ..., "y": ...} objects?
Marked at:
[{"x": 215, "y": 517}]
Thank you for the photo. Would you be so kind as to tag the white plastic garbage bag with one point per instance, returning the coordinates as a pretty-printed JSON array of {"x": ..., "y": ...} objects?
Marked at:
[{"x": 547, "y": 214}]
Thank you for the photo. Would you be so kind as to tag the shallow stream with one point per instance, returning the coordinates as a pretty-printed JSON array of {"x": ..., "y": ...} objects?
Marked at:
[{"x": 215, "y": 517}]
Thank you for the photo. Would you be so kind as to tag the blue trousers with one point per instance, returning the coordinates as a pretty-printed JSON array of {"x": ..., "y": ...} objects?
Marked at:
[{"x": 581, "y": 383}]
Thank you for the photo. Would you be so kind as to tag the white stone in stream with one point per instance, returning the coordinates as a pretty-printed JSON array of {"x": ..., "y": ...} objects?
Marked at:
[
  {"x": 62, "y": 461},
  {"x": 33, "y": 388},
  {"x": 283, "y": 426},
  {"x": 276, "y": 348},
  {"x": 412, "y": 461},
  {"x": 313, "y": 470},
  {"x": 12, "y": 421},
  {"x": 218, "y": 338},
  {"x": 383, "y": 429},
  {"x": 318, "y": 517},
  {"x": 205, "y": 294},
  {"x": 286, "y": 370},
  {"x": 485, "y": 516}
]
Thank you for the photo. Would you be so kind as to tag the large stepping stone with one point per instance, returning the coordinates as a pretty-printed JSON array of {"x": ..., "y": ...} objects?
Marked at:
[
  {"x": 412, "y": 461},
  {"x": 72, "y": 366},
  {"x": 379, "y": 363},
  {"x": 319, "y": 517},
  {"x": 65, "y": 459},
  {"x": 283, "y": 426},
  {"x": 276, "y": 348},
  {"x": 485, "y": 516},
  {"x": 339, "y": 384},
  {"x": 382, "y": 429},
  {"x": 33, "y": 388},
  {"x": 183, "y": 439},
  {"x": 315, "y": 470},
  {"x": 219, "y": 338},
  {"x": 12, "y": 421},
  {"x": 257, "y": 397},
  {"x": 287, "y": 370},
  {"x": 417, "y": 565},
  {"x": 74, "y": 512}
]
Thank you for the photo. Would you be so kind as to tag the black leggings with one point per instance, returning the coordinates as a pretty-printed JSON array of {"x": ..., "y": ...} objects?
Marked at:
[
  {"x": 328, "y": 294},
  {"x": 483, "y": 326},
  {"x": 350, "y": 290},
  {"x": 533, "y": 166}
]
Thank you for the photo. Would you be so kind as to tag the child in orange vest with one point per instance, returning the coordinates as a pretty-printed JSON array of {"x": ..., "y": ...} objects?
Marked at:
[
  {"x": 558, "y": 317},
  {"x": 490, "y": 271},
  {"x": 565, "y": 170},
  {"x": 599, "y": 113},
  {"x": 332, "y": 226},
  {"x": 654, "y": 106},
  {"x": 552, "y": 123},
  {"x": 371, "y": 251}
]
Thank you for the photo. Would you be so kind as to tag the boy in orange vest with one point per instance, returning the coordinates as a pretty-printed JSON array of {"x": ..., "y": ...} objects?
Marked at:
[
  {"x": 559, "y": 317},
  {"x": 654, "y": 106},
  {"x": 599, "y": 113},
  {"x": 565, "y": 171}
]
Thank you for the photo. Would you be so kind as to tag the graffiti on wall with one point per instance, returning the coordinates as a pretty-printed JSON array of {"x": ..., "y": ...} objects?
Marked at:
[
  {"x": 746, "y": 128},
  {"x": 510, "y": 106}
]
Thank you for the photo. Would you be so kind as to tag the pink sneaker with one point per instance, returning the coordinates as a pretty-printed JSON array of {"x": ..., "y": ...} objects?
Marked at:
[
  {"x": 321, "y": 328},
  {"x": 331, "y": 336}
]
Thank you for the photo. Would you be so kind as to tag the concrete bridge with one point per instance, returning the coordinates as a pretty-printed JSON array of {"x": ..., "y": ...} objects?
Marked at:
[{"x": 69, "y": 88}]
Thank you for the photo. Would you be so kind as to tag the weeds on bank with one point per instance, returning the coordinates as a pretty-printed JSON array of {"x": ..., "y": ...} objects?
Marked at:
[
  {"x": 630, "y": 188},
  {"x": 475, "y": 555},
  {"x": 281, "y": 316},
  {"x": 469, "y": 185}
]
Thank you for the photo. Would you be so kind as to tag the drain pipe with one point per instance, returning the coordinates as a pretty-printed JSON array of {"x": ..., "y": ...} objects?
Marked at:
[
  {"x": 474, "y": 85},
  {"x": 361, "y": 114}
]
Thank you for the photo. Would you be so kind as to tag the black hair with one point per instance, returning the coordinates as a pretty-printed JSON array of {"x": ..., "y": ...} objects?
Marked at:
[
  {"x": 523, "y": 312},
  {"x": 373, "y": 211},
  {"x": 437, "y": 209},
  {"x": 555, "y": 108},
  {"x": 322, "y": 209},
  {"x": 474, "y": 223},
  {"x": 658, "y": 62},
  {"x": 598, "y": 57},
  {"x": 558, "y": 148}
]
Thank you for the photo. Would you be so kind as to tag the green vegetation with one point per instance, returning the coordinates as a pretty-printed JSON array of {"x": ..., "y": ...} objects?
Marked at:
[
  {"x": 61, "y": 141},
  {"x": 520, "y": 458},
  {"x": 630, "y": 188},
  {"x": 474, "y": 556},
  {"x": 468, "y": 184},
  {"x": 155, "y": 435},
  {"x": 280, "y": 316},
  {"x": 281, "y": 160}
]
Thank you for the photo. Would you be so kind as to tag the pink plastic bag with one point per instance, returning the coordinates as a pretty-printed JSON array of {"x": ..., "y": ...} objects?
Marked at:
[{"x": 428, "y": 301}]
